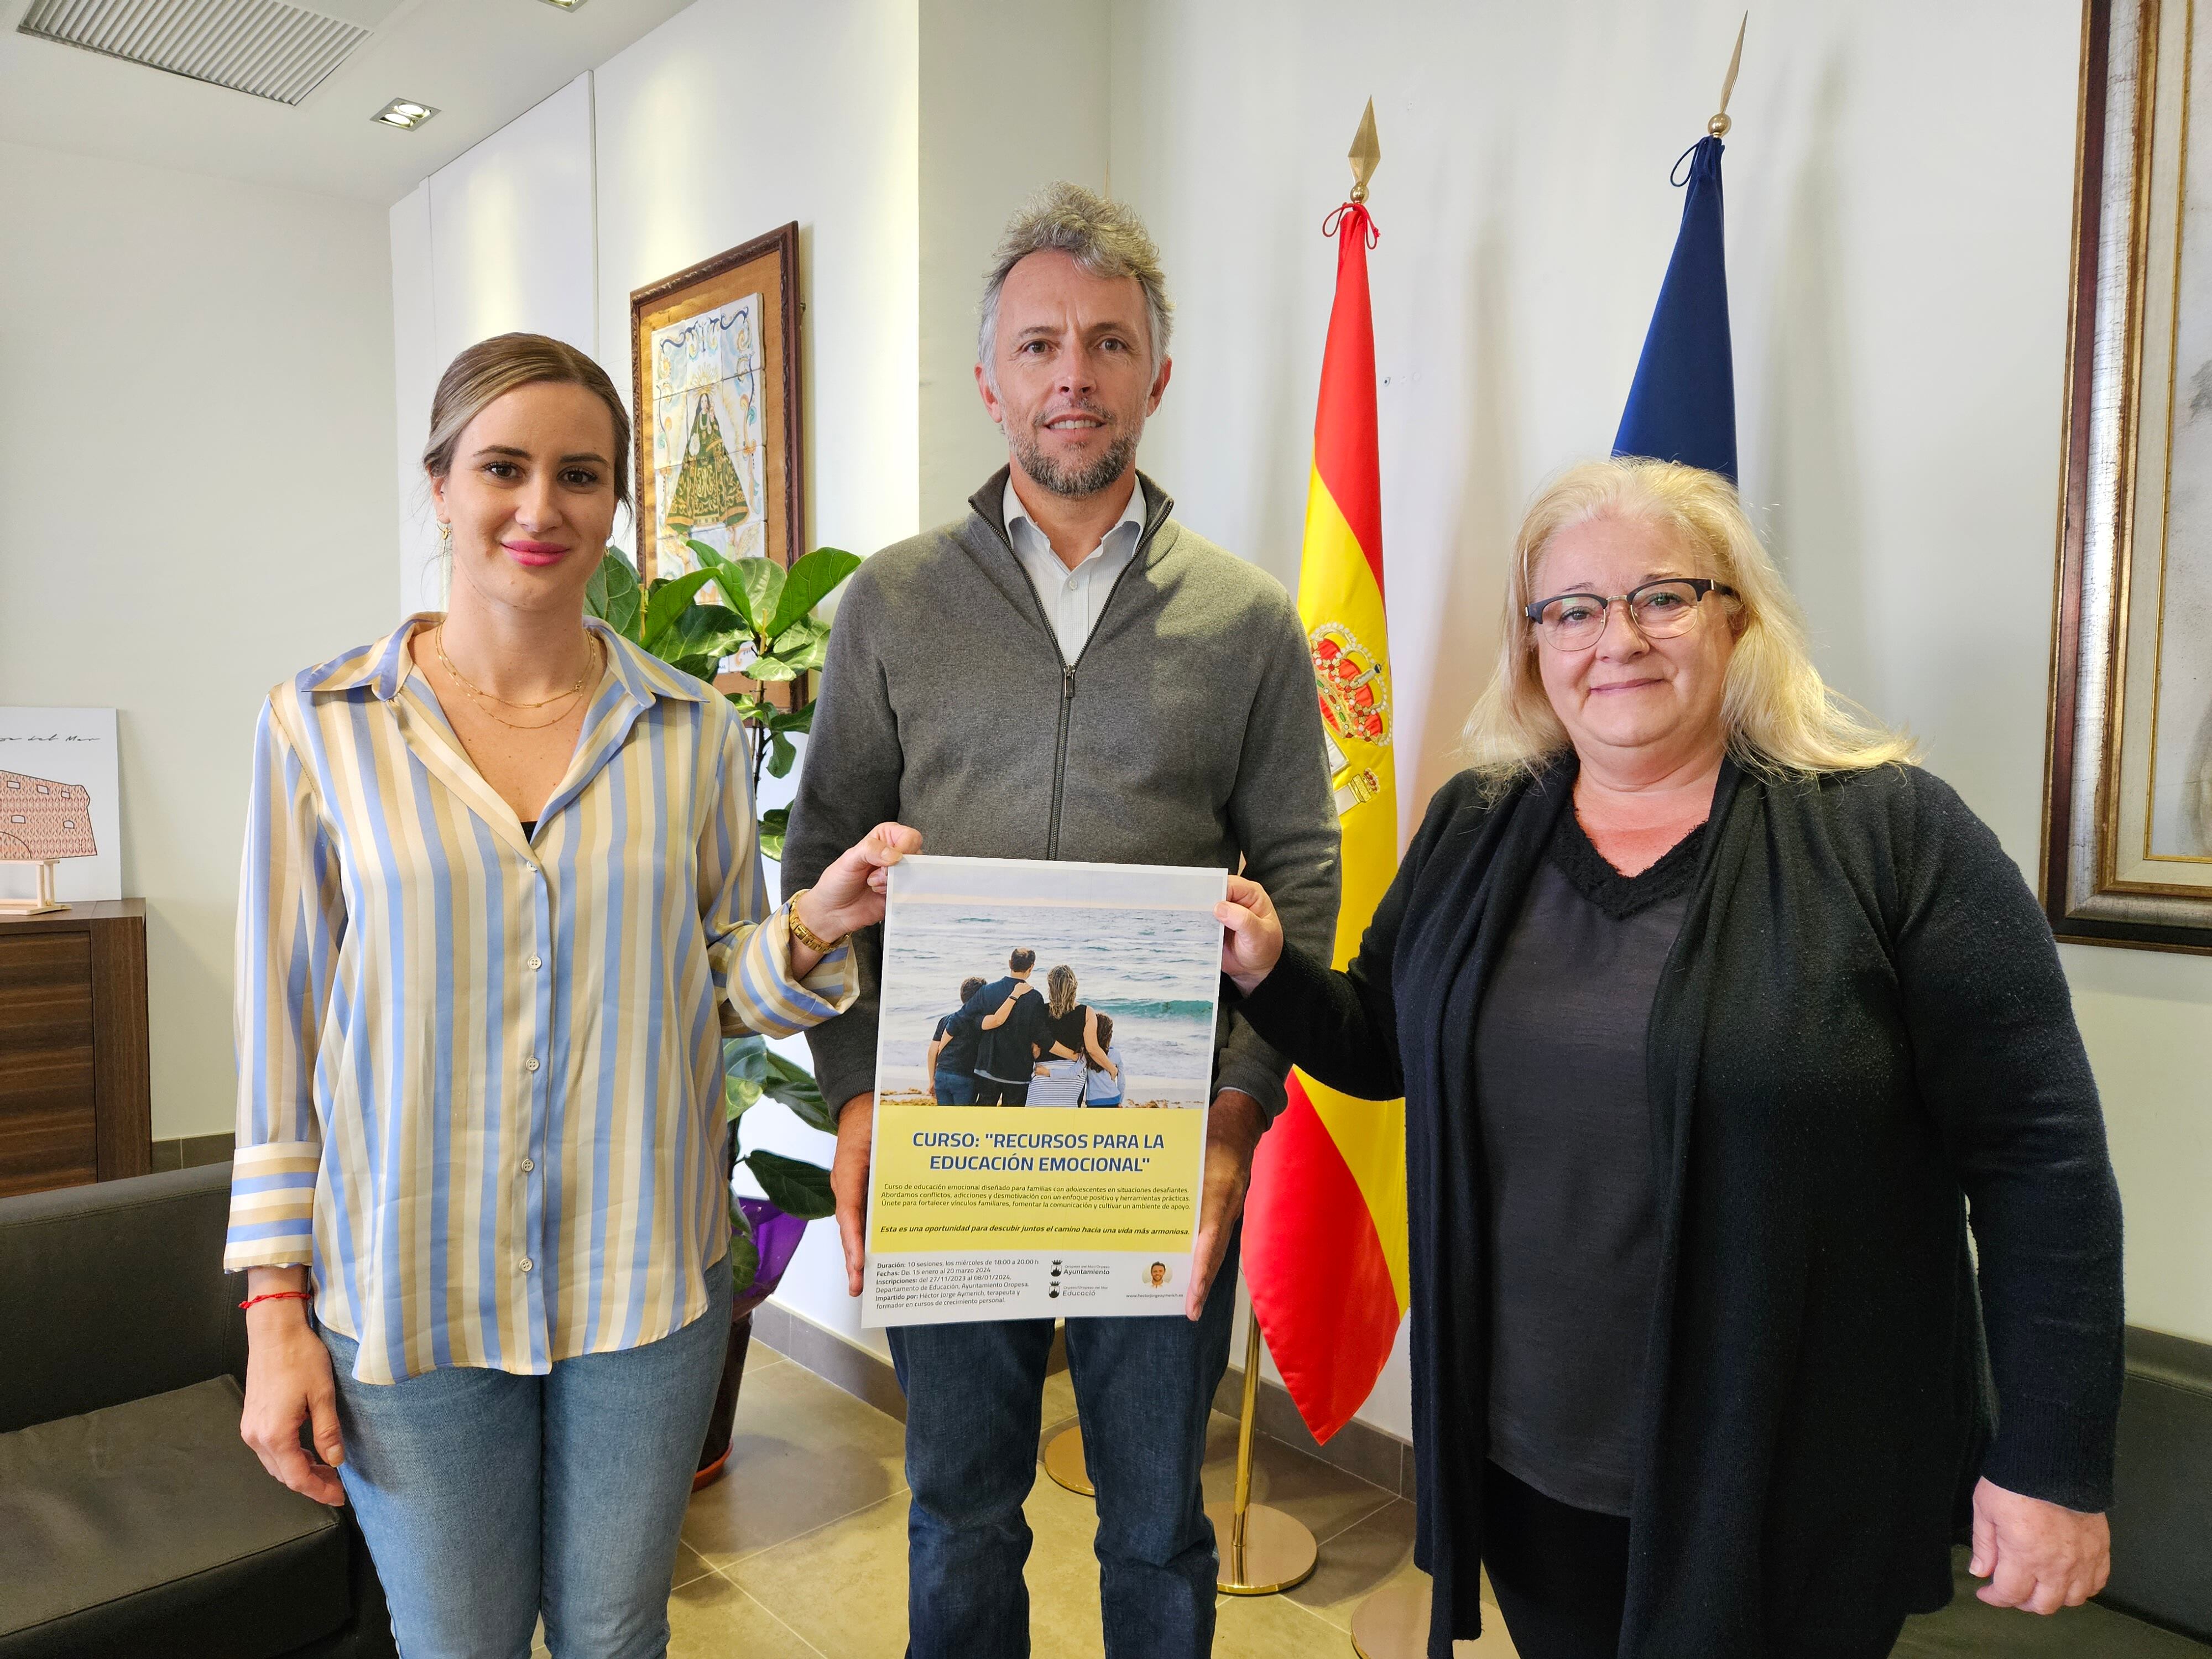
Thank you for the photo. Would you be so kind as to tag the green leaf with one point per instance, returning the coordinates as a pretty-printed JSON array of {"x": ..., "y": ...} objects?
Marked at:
[
  {"x": 767, "y": 670},
  {"x": 668, "y": 600},
  {"x": 774, "y": 825},
  {"x": 804, "y": 650},
  {"x": 796, "y": 1189},
  {"x": 726, "y": 581},
  {"x": 703, "y": 630},
  {"x": 811, "y": 580},
  {"x": 755, "y": 710},
  {"x": 739, "y": 1096},
  {"x": 745, "y": 1073},
  {"x": 763, "y": 581},
  {"x": 611, "y": 595},
  {"x": 799, "y": 720},
  {"x": 795, "y": 1087},
  {"x": 744, "y": 1254},
  {"x": 780, "y": 755}
]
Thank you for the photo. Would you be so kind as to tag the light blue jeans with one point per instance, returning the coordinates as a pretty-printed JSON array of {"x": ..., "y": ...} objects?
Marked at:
[{"x": 487, "y": 1497}]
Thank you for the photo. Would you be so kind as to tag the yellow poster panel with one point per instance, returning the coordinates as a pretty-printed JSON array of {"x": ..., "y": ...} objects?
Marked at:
[{"x": 968, "y": 1178}]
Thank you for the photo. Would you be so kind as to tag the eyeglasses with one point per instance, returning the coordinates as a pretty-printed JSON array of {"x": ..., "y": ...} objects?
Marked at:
[{"x": 1660, "y": 609}]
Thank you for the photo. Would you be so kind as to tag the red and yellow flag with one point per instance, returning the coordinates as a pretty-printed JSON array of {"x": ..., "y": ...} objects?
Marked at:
[{"x": 1325, "y": 1224}]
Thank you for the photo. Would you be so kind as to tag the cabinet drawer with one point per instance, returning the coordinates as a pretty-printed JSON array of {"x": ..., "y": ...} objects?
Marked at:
[{"x": 47, "y": 1080}]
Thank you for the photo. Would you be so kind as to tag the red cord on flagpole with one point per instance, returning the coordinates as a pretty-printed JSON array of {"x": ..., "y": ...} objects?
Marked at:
[{"x": 1343, "y": 215}]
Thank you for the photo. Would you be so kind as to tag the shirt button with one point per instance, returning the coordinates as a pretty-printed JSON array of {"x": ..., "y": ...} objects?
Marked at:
[
  {"x": 531, "y": 1063},
  {"x": 535, "y": 964},
  {"x": 524, "y": 1264},
  {"x": 528, "y": 1164}
]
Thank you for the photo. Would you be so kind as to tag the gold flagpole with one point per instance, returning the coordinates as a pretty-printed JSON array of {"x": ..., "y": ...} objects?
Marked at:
[{"x": 1263, "y": 1549}]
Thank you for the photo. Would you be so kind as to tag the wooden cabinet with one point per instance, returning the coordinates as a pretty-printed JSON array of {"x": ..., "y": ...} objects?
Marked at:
[{"x": 75, "y": 1101}]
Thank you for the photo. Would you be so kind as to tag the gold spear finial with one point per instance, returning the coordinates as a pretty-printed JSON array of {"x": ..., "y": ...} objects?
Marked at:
[
  {"x": 1365, "y": 155},
  {"x": 1719, "y": 124}
]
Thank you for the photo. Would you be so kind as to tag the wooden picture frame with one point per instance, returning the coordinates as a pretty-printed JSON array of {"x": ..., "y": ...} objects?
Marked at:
[
  {"x": 2127, "y": 848},
  {"x": 739, "y": 368}
]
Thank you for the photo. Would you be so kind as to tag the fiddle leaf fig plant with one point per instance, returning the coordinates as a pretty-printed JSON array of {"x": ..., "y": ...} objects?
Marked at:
[{"x": 761, "y": 623}]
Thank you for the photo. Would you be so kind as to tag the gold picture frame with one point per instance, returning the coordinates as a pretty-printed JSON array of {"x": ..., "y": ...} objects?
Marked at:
[
  {"x": 2127, "y": 850},
  {"x": 715, "y": 393}
]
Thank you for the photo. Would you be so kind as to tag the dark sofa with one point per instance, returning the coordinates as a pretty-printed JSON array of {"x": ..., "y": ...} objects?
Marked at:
[{"x": 133, "y": 1520}]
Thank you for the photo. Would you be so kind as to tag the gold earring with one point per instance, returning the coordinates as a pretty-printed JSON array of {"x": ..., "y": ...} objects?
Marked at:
[{"x": 445, "y": 531}]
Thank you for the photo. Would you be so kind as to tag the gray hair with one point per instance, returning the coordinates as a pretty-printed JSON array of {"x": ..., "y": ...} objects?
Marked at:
[{"x": 1103, "y": 237}]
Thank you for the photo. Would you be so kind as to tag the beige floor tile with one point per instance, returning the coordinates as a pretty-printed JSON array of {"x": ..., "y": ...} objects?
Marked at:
[
  {"x": 1324, "y": 1498},
  {"x": 689, "y": 1564},
  {"x": 711, "y": 1618},
  {"x": 1059, "y": 1404},
  {"x": 1270, "y": 1627},
  {"x": 803, "y": 1453},
  {"x": 843, "y": 1587},
  {"x": 1358, "y": 1560}
]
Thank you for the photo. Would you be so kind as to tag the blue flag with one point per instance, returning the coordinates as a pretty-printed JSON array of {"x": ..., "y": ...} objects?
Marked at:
[{"x": 1682, "y": 406}]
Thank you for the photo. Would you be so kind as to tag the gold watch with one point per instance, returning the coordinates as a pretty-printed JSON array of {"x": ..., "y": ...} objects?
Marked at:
[{"x": 800, "y": 930}]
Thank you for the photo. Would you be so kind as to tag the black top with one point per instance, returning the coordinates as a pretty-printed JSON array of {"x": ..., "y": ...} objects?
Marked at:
[
  {"x": 1007, "y": 1053},
  {"x": 530, "y": 829},
  {"x": 1573, "y": 1226},
  {"x": 1067, "y": 1029},
  {"x": 1863, "y": 1028},
  {"x": 957, "y": 1030}
]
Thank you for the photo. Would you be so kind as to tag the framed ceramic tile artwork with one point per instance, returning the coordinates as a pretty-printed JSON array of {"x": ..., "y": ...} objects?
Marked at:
[
  {"x": 2127, "y": 856},
  {"x": 715, "y": 390}
]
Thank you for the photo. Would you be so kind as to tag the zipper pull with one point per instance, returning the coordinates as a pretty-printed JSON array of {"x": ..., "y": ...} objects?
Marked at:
[{"x": 1067, "y": 684}]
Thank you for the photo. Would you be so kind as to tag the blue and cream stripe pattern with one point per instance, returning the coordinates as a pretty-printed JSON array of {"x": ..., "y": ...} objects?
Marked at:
[{"x": 480, "y": 1079}]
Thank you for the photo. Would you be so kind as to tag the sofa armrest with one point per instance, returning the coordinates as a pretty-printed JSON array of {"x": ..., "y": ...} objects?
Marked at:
[{"x": 113, "y": 1292}]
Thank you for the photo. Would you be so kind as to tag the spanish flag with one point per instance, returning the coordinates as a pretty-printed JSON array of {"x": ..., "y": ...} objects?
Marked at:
[{"x": 1325, "y": 1222}]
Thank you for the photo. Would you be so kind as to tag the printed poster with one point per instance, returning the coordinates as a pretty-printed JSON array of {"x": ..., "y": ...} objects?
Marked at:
[
  {"x": 1044, "y": 1063},
  {"x": 58, "y": 801}
]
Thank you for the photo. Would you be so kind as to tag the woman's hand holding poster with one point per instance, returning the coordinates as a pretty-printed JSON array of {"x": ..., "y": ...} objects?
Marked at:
[{"x": 1043, "y": 1064}]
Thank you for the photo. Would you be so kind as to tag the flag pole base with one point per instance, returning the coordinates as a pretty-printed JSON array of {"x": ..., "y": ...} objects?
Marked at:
[
  {"x": 1276, "y": 1552},
  {"x": 1064, "y": 1462},
  {"x": 1394, "y": 1623}
]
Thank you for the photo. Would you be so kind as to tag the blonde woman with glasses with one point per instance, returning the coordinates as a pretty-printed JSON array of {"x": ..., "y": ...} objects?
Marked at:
[
  {"x": 1717, "y": 1020},
  {"x": 503, "y": 901}
]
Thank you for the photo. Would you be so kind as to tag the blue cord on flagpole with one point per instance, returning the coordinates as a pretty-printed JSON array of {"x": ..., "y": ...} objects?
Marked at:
[{"x": 1677, "y": 168}]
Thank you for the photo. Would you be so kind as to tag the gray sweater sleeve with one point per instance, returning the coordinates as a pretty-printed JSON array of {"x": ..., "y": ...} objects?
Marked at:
[
  {"x": 849, "y": 784},
  {"x": 1284, "y": 820}
]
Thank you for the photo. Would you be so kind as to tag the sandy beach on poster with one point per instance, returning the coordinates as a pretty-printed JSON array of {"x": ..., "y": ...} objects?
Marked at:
[{"x": 1037, "y": 1211}]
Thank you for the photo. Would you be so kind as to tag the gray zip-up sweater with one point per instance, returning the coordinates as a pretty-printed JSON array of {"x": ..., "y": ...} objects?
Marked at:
[{"x": 1187, "y": 732}]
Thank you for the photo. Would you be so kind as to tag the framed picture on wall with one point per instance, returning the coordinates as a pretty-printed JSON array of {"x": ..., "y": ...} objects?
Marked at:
[
  {"x": 715, "y": 390},
  {"x": 2127, "y": 855}
]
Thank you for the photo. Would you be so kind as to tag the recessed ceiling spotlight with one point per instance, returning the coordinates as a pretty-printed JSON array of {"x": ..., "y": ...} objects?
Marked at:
[
  {"x": 404, "y": 113},
  {"x": 565, "y": 5}
]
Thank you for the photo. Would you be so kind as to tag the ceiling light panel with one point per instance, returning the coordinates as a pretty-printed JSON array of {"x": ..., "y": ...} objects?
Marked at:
[{"x": 262, "y": 47}]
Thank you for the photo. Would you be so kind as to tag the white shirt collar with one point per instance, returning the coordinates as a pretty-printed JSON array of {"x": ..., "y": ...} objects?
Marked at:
[{"x": 1023, "y": 532}]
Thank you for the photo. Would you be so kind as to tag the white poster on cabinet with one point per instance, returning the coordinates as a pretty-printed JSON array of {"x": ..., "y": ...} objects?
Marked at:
[{"x": 58, "y": 801}]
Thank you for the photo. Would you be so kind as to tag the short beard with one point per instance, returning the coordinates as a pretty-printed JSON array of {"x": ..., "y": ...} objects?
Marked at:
[{"x": 1068, "y": 482}]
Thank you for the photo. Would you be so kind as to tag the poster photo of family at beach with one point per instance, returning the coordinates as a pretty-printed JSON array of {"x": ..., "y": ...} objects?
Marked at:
[{"x": 1024, "y": 985}]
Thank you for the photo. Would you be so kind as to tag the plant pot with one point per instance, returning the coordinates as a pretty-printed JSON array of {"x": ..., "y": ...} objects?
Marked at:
[{"x": 714, "y": 1454}]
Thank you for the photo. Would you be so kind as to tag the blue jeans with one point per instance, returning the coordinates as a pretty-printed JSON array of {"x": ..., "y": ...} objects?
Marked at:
[
  {"x": 954, "y": 1088},
  {"x": 975, "y": 1398},
  {"x": 487, "y": 1497}
]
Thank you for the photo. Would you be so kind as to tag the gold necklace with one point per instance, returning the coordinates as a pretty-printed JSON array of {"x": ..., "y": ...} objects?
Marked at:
[{"x": 599, "y": 661}]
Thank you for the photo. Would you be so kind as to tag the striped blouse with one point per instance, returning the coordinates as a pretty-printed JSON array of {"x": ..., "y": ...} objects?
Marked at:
[{"x": 480, "y": 1074}]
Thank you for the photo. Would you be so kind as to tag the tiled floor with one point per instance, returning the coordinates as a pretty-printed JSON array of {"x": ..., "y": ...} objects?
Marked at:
[{"x": 800, "y": 1552}]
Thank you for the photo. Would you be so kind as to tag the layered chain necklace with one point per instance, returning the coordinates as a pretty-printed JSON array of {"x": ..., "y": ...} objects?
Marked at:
[{"x": 593, "y": 670}]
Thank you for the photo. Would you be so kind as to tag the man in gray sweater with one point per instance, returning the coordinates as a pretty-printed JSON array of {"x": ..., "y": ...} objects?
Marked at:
[{"x": 1068, "y": 673}]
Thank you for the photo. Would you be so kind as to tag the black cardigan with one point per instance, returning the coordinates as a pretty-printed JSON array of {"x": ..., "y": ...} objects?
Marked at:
[{"x": 1861, "y": 1030}]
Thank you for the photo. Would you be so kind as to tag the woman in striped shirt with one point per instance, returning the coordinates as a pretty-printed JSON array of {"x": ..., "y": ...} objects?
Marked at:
[{"x": 502, "y": 900}]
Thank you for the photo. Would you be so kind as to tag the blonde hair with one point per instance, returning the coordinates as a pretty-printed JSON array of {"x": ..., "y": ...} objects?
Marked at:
[
  {"x": 1059, "y": 991},
  {"x": 1779, "y": 715},
  {"x": 489, "y": 369}
]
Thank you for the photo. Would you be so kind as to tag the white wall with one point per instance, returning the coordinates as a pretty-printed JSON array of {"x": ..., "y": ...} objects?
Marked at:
[
  {"x": 196, "y": 501},
  {"x": 1014, "y": 97},
  {"x": 1899, "y": 188}
]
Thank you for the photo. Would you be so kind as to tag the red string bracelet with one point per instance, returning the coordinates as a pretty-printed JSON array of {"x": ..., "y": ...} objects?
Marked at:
[{"x": 278, "y": 1295}]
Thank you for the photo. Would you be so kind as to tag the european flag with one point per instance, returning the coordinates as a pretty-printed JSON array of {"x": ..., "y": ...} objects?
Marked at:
[{"x": 1682, "y": 406}]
